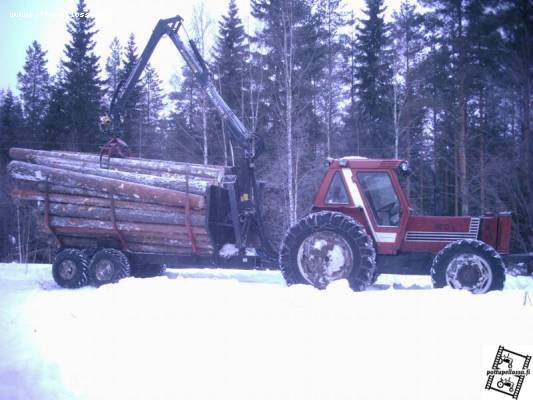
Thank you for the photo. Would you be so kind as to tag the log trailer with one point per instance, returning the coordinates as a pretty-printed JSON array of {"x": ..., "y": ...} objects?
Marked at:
[{"x": 361, "y": 223}]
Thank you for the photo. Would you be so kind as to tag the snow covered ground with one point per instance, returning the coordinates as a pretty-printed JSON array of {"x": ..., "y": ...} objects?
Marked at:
[{"x": 215, "y": 334}]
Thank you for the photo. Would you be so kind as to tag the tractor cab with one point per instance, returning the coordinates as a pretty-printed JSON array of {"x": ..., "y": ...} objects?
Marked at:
[{"x": 369, "y": 191}]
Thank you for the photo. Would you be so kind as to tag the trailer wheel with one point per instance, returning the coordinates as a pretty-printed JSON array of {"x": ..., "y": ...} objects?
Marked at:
[
  {"x": 148, "y": 270},
  {"x": 108, "y": 266},
  {"x": 469, "y": 265},
  {"x": 326, "y": 246},
  {"x": 70, "y": 268}
]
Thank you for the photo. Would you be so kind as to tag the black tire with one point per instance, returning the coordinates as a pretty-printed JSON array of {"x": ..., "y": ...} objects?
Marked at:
[
  {"x": 148, "y": 270},
  {"x": 108, "y": 266},
  {"x": 71, "y": 268},
  {"x": 468, "y": 264},
  {"x": 343, "y": 230},
  {"x": 375, "y": 277}
]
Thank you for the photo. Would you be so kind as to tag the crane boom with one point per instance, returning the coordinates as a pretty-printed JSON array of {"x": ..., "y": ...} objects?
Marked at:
[{"x": 188, "y": 50}]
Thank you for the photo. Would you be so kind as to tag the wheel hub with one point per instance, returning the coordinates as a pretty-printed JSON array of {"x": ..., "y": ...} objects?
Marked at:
[
  {"x": 324, "y": 257},
  {"x": 104, "y": 270},
  {"x": 469, "y": 275},
  {"x": 67, "y": 269},
  {"x": 470, "y": 272}
]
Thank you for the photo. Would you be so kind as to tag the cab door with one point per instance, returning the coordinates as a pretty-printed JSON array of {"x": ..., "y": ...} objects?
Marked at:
[{"x": 383, "y": 204}]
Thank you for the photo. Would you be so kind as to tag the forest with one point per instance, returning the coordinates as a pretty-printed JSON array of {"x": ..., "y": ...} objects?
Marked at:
[{"x": 444, "y": 84}]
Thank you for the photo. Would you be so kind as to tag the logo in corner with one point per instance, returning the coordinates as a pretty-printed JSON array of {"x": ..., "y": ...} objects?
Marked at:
[{"x": 508, "y": 372}]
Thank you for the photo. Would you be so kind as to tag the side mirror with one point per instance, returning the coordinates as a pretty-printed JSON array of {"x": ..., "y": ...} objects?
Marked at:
[{"x": 404, "y": 169}]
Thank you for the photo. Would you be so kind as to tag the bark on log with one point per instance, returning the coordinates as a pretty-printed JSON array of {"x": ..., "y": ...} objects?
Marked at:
[
  {"x": 198, "y": 172},
  {"x": 144, "y": 193},
  {"x": 122, "y": 214},
  {"x": 35, "y": 195},
  {"x": 175, "y": 239},
  {"x": 148, "y": 229},
  {"x": 196, "y": 185},
  {"x": 65, "y": 190},
  {"x": 137, "y": 247},
  {"x": 211, "y": 171}
]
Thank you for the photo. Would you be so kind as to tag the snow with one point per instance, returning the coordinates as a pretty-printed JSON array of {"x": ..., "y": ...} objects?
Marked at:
[
  {"x": 227, "y": 334},
  {"x": 348, "y": 158},
  {"x": 230, "y": 250},
  {"x": 336, "y": 259}
]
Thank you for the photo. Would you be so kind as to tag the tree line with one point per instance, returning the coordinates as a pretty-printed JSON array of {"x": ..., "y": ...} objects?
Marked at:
[{"x": 444, "y": 84}]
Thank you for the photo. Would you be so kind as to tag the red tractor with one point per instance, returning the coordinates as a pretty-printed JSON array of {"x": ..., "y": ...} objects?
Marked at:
[{"x": 362, "y": 225}]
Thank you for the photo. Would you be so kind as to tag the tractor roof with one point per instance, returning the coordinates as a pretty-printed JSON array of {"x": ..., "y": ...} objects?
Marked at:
[{"x": 364, "y": 163}]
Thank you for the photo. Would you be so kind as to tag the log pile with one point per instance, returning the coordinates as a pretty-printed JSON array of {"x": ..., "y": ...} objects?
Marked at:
[{"x": 146, "y": 206}]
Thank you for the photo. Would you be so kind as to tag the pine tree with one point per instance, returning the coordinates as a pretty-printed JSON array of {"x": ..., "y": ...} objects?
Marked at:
[
  {"x": 82, "y": 83},
  {"x": 351, "y": 125},
  {"x": 374, "y": 87},
  {"x": 33, "y": 84},
  {"x": 229, "y": 56},
  {"x": 112, "y": 67},
  {"x": 57, "y": 122},
  {"x": 11, "y": 125},
  {"x": 408, "y": 105},
  {"x": 515, "y": 20},
  {"x": 201, "y": 25},
  {"x": 230, "y": 67},
  {"x": 151, "y": 107},
  {"x": 332, "y": 20},
  {"x": 292, "y": 61},
  {"x": 131, "y": 112},
  {"x": 185, "y": 127}
]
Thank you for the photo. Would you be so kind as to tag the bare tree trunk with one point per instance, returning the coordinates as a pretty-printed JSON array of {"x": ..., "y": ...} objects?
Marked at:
[
  {"x": 19, "y": 234},
  {"x": 395, "y": 120},
  {"x": 329, "y": 95},
  {"x": 201, "y": 25},
  {"x": 353, "y": 67},
  {"x": 204, "y": 129},
  {"x": 461, "y": 134},
  {"x": 436, "y": 207},
  {"x": 286, "y": 11},
  {"x": 456, "y": 180},
  {"x": 223, "y": 124},
  {"x": 482, "y": 177},
  {"x": 527, "y": 134}
]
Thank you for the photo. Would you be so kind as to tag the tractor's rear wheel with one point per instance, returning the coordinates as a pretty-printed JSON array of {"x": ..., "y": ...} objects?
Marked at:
[
  {"x": 469, "y": 265},
  {"x": 70, "y": 268},
  {"x": 327, "y": 246},
  {"x": 108, "y": 266}
]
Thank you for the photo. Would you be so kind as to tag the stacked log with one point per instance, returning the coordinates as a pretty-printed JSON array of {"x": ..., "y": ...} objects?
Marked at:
[{"x": 149, "y": 206}]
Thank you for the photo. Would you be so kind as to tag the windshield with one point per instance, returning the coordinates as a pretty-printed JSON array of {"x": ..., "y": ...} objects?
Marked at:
[
  {"x": 337, "y": 192},
  {"x": 380, "y": 194}
]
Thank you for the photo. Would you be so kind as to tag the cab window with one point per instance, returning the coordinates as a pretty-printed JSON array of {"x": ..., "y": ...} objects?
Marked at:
[
  {"x": 337, "y": 191},
  {"x": 380, "y": 194}
]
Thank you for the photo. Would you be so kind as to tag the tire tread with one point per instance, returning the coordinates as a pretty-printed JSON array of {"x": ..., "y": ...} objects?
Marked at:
[
  {"x": 438, "y": 267},
  {"x": 335, "y": 221}
]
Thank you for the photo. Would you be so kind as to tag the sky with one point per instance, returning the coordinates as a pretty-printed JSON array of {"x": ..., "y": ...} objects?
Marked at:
[{"x": 22, "y": 21}]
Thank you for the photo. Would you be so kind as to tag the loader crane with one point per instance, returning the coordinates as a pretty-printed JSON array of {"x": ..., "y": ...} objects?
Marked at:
[{"x": 245, "y": 191}]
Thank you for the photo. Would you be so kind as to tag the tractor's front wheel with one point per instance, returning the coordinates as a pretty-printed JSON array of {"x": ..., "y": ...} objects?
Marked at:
[
  {"x": 327, "y": 246},
  {"x": 469, "y": 265}
]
